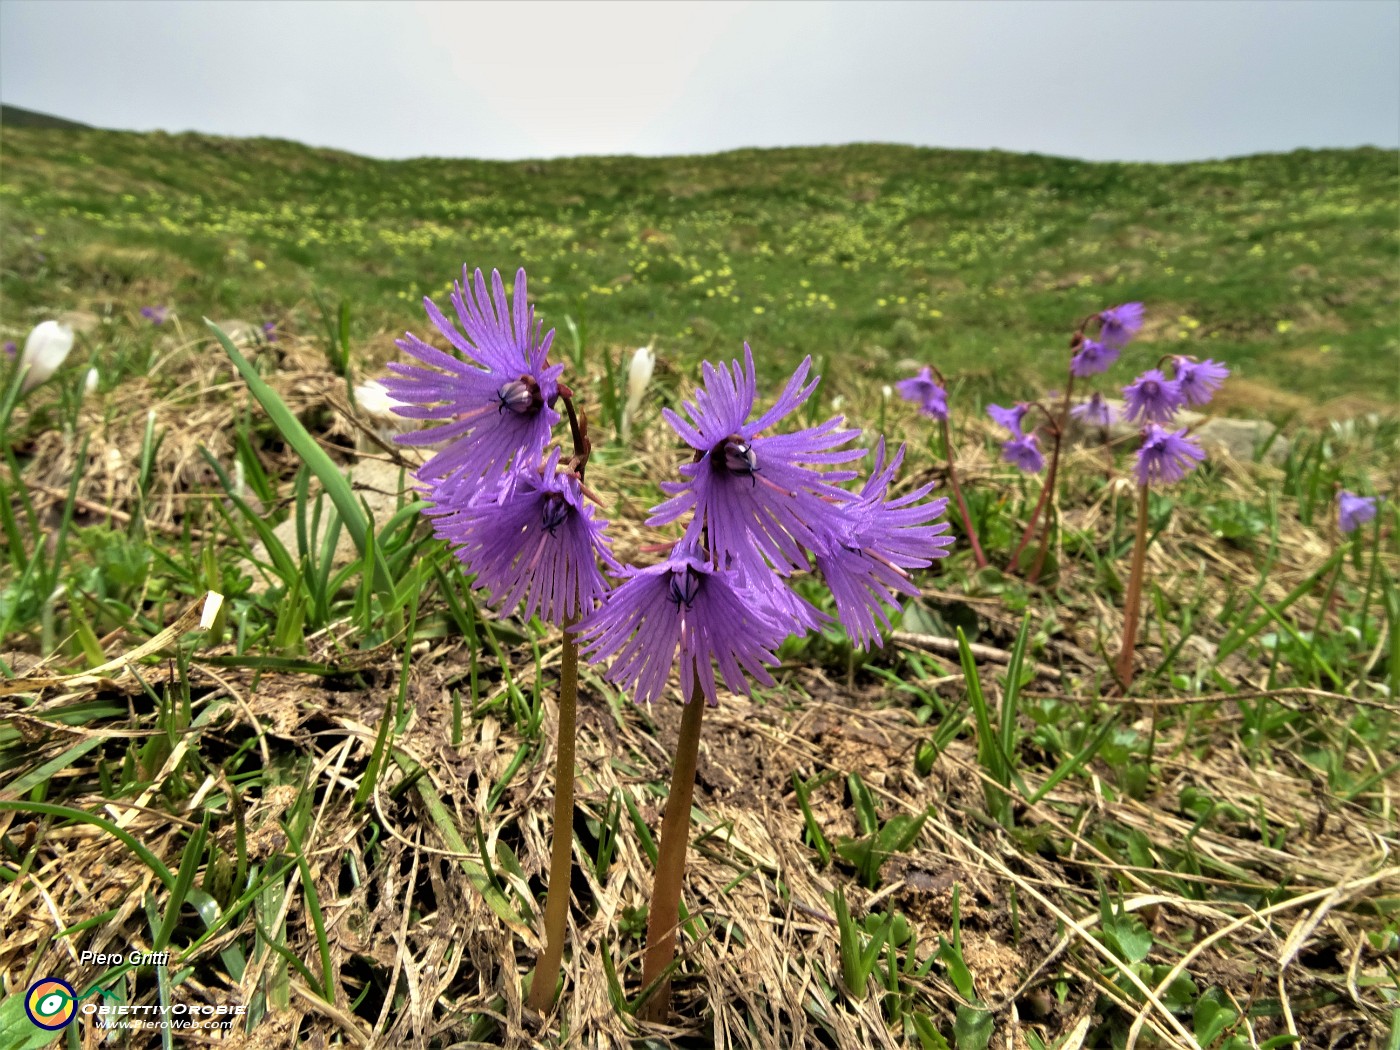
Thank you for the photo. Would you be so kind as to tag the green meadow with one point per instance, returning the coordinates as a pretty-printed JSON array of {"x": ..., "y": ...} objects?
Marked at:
[{"x": 331, "y": 802}]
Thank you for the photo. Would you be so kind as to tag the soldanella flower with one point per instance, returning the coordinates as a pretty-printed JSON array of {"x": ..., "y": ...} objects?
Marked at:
[
  {"x": 1152, "y": 398},
  {"x": 1024, "y": 452},
  {"x": 683, "y": 608},
  {"x": 1092, "y": 357},
  {"x": 638, "y": 376},
  {"x": 537, "y": 541},
  {"x": 1197, "y": 381},
  {"x": 1166, "y": 456},
  {"x": 756, "y": 495},
  {"x": 155, "y": 314},
  {"x": 867, "y": 564},
  {"x": 1010, "y": 418},
  {"x": 1353, "y": 511},
  {"x": 497, "y": 404},
  {"x": 45, "y": 349},
  {"x": 1096, "y": 412},
  {"x": 1118, "y": 324},
  {"x": 926, "y": 392}
]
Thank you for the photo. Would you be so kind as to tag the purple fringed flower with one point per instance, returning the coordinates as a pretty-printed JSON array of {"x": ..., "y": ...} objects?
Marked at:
[
  {"x": 1092, "y": 358},
  {"x": 755, "y": 497},
  {"x": 1353, "y": 510},
  {"x": 536, "y": 540},
  {"x": 269, "y": 330},
  {"x": 683, "y": 606},
  {"x": 1118, "y": 324},
  {"x": 1166, "y": 456},
  {"x": 1010, "y": 418},
  {"x": 1024, "y": 452},
  {"x": 866, "y": 565},
  {"x": 155, "y": 314},
  {"x": 10, "y": 348},
  {"x": 1199, "y": 380},
  {"x": 926, "y": 392},
  {"x": 1151, "y": 398},
  {"x": 498, "y": 402},
  {"x": 1096, "y": 412}
]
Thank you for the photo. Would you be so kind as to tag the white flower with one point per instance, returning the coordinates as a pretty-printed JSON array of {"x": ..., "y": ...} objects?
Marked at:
[
  {"x": 90, "y": 382},
  {"x": 886, "y": 391},
  {"x": 45, "y": 349},
  {"x": 638, "y": 376}
]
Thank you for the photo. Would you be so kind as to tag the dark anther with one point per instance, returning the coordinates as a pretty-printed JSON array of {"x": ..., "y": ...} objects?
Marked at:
[
  {"x": 736, "y": 456},
  {"x": 554, "y": 513},
  {"x": 685, "y": 585},
  {"x": 522, "y": 396}
]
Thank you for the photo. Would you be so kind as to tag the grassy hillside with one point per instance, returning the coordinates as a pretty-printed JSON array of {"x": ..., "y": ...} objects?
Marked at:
[{"x": 1282, "y": 265}]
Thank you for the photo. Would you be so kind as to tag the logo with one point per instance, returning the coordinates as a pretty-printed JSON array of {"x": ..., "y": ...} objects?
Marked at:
[{"x": 51, "y": 1003}]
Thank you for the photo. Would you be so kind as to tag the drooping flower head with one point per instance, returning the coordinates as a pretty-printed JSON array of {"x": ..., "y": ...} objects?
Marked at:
[
  {"x": 1092, "y": 357},
  {"x": 155, "y": 314},
  {"x": 1354, "y": 510},
  {"x": 1199, "y": 380},
  {"x": 498, "y": 402},
  {"x": 1151, "y": 398},
  {"x": 1024, "y": 452},
  {"x": 866, "y": 566},
  {"x": 1166, "y": 456},
  {"x": 683, "y": 607},
  {"x": 1010, "y": 418},
  {"x": 756, "y": 496},
  {"x": 269, "y": 331},
  {"x": 1118, "y": 324},
  {"x": 1095, "y": 412},
  {"x": 926, "y": 392},
  {"x": 537, "y": 540}
]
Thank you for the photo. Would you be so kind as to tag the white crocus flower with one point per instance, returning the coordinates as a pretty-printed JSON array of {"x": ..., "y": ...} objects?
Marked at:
[
  {"x": 638, "y": 376},
  {"x": 46, "y": 348},
  {"x": 90, "y": 382},
  {"x": 373, "y": 400}
]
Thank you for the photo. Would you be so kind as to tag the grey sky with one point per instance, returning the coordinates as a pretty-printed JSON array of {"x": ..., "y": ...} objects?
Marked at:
[{"x": 1174, "y": 80}]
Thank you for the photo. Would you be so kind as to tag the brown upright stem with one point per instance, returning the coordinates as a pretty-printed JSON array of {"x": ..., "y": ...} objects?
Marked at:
[
  {"x": 664, "y": 915},
  {"x": 1123, "y": 669},
  {"x": 1050, "y": 478},
  {"x": 556, "y": 906},
  {"x": 978, "y": 556}
]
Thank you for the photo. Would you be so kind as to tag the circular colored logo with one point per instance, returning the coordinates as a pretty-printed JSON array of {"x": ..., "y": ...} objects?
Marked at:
[{"x": 51, "y": 1003}]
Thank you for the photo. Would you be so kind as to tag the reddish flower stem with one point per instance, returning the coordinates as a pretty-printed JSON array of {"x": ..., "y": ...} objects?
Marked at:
[
  {"x": 556, "y": 905},
  {"x": 1048, "y": 491},
  {"x": 663, "y": 916},
  {"x": 1123, "y": 667},
  {"x": 978, "y": 556}
]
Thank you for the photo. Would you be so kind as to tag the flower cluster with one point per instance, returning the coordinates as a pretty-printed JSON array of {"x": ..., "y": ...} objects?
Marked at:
[
  {"x": 758, "y": 506},
  {"x": 1166, "y": 456}
]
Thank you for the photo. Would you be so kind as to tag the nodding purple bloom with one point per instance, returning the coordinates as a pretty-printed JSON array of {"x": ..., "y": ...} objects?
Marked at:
[
  {"x": 926, "y": 392},
  {"x": 1199, "y": 380},
  {"x": 10, "y": 348},
  {"x": 269, "y": 330},
  {"x": 537, "y": 540},
  {"x": 1166, "y": 456},
  {"x": 683, "y": 606},
  {"x": 866, "y": 564},
  {"x": 498, "y": 403},
  {"x": 1092, "y": 358},
  {"x": 1118, "y": 324},
  {"x": 1152, "y": 398},
  {"x": 754, "y": 496},
  {"x": 1010, "y": 418},
  {"x": 1024, "y": 452},
  {"x": 155, "y": 314},
  {"x": 1353, "y": 510},
  {"x": 1096, "y": 412}
]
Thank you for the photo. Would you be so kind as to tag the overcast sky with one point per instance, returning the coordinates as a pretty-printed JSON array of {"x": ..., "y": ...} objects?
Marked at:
[{"x": 1174, "y": 80}]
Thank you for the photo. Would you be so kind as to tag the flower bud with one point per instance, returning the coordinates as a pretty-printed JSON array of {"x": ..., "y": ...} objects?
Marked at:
[
  {"x": 90, "y": 382},
  {"x": 45, "y": 349},
  {"x": 638, "y": 376}
]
